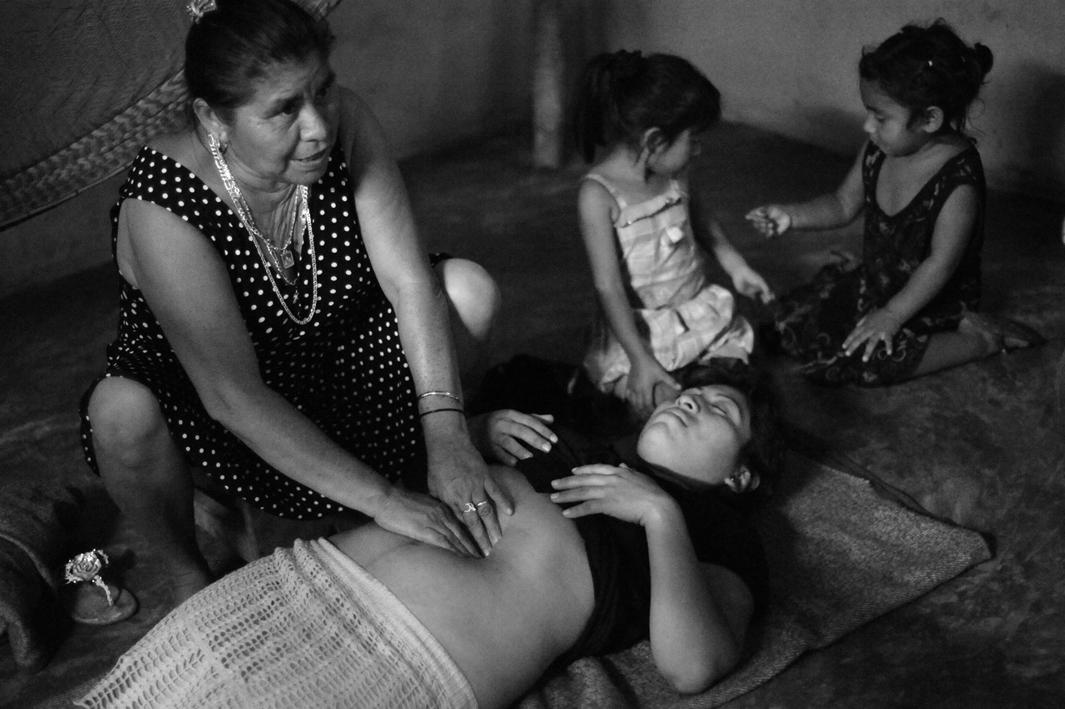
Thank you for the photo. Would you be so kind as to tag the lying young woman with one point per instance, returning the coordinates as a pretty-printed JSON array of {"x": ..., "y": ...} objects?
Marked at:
[{"x": 605, "y": 546}]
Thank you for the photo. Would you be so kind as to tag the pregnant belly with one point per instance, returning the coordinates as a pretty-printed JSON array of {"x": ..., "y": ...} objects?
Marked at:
[{"x": 503, "y": 619}]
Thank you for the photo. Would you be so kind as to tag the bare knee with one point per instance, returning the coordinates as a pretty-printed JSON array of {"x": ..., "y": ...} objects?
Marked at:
[
  {"x": 473, "y": 293},
  {"x": 127, "y": 424}
]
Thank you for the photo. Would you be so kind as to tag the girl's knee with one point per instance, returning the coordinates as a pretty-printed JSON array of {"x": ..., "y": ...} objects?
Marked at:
[
  {"x": 473, "y": 293},
  {"x": 125, "y": 416}
]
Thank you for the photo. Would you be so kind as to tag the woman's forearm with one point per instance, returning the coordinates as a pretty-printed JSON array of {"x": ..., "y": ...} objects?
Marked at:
[
  {"x": 286, "y": 439},
  {"x": 422, "y": 314},
  {"x": 692, "y": 640}
]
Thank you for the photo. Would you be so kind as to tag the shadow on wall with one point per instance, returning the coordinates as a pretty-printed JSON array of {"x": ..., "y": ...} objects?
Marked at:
[
  {"x": 837, "y": 129},
  {"x": 1034, "y": 112}
]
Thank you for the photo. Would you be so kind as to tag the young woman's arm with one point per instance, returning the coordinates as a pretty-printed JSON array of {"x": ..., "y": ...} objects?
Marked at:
[
  {"x": 699, "y": 614},
  {"x": 953, "y": 229},
  {"x": 597, "y": 230},
  {"x": 827, "y": 211},
  {"x": 457, "y": 473}
]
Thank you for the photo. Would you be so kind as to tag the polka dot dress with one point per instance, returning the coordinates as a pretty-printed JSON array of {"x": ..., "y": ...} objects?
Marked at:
[{"x": 345, "y": 369}]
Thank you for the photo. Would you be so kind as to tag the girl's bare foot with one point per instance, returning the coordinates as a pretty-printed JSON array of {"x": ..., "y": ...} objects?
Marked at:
[{"x": 999, "y": 334}]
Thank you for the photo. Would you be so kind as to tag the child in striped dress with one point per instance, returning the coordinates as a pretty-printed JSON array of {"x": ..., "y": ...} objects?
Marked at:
[{"x": 638, "y": 120}]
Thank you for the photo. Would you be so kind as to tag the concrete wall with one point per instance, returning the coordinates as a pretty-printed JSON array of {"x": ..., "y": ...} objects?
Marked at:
[
  {"x": 791, "y": 66},
  {"x": 434, "y": 72},
  {"x": 438, "y": 72}
]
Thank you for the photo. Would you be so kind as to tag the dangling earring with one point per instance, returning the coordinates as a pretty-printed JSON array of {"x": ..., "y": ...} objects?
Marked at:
[
  {"x": 742, "y": 480},
  {"x": 215, "y": 145}
]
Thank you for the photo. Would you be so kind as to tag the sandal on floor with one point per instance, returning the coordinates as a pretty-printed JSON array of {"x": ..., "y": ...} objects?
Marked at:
[
  {"x": 89, "y": 604},
  {"x": 91, "y": 599},
  {"x": 1013, "y": 335}
]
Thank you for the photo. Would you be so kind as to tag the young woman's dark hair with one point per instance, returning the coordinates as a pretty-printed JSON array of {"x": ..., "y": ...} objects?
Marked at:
[
  {"x": 229, "y": 48},
  {"x": 920, "y": 67},
  {"x": 623, "y": 94}
]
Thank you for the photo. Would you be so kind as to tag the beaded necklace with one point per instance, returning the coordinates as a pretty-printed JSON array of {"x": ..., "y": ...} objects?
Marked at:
[{"x": 274, "y": 258}]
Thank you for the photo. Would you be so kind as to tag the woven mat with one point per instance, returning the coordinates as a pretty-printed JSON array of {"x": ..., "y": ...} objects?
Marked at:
[{"x": 843, "y": 548}]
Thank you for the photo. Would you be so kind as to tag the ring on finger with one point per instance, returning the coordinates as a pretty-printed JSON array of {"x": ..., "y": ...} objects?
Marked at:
[
  {"x": 484, "y": 507},
  {"x": 470, "y": 507}
]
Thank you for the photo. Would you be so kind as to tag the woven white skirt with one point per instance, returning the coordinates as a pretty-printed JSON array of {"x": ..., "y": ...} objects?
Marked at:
[{"x": 303, "y": 627}]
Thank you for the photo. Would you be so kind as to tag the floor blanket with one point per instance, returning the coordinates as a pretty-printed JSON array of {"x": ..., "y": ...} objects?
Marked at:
[{"x": 843, "y": 548}]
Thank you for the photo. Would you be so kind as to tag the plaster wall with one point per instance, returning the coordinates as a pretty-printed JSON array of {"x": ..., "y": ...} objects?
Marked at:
[
  {"x": 433, "y": 72},
  {"x": 790, "y": 66}
]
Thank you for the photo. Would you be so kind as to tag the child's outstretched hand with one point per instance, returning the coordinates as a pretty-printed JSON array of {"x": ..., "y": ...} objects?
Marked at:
[
  {"x": 750, "y": 283},
  {"x": 643, "y": 379},
  {"x": 877, "y": 327},
  {"x": 507, "y": 435},
  {"x": 770, "y": 220}
]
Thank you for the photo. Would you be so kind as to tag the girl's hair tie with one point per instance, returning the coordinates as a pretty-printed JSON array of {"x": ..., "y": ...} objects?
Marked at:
[
  {"x": 198, "y": 8},
  {"x": 627, "y": 63}
]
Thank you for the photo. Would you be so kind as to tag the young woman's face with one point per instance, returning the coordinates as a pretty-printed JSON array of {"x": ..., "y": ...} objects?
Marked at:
[
  {"x": 699, "y": 435},
  {"x": 890, "y": 125},
  {"x": 285, "y": 133}
]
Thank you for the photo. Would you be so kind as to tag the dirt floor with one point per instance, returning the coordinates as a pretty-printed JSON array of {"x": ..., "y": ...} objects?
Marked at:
[{"x": 982, "y": 444}]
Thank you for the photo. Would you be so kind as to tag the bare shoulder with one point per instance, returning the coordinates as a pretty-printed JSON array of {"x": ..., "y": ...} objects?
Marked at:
[
  {"x": 176, "y": 146},
  {"x": 151, "y": 231},
  {"x": 594, "y": 199},
  {"x": 943, "y": 152}
]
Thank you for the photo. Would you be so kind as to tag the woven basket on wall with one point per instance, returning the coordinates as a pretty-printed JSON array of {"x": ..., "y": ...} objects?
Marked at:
[{"x": 85, "y": 85}]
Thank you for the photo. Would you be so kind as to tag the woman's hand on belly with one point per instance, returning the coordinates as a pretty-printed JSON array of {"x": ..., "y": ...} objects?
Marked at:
[{"x": 503, "y": 618}]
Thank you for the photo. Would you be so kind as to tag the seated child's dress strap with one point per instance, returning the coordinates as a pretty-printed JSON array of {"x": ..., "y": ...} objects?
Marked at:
[{"x": 683, "y": 316}]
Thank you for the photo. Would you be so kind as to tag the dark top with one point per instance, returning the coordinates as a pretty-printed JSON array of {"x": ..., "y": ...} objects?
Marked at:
[
  {"x": 345, "y": 369},
  {"x": 812, "y": 321},
  {"x": 617, "y": 551},
  {"x": 894, "y": 245}
]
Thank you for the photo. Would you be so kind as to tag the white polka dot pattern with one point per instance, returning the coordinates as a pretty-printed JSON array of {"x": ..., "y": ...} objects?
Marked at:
[{"x": 345, "y": 370}]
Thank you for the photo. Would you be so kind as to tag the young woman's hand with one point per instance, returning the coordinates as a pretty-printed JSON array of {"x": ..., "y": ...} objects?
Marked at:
[
  {"x": 612, "y": 490},
  {"x": 750, "y": 283},
  {"x": 770, "y": 220},
  {"x": 507, "y": 435},
  {"x": 643, "y": 379},
  {"x": 875, "y": 328}
]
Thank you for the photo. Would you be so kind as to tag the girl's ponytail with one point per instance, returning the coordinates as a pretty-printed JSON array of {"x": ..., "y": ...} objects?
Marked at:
[{"x": 595, "y": 98}]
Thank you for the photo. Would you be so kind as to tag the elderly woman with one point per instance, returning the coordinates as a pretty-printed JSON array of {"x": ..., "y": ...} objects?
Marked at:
[
  {"x": 282, "y": 332},
  {"x": 606, "y": 546}
]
